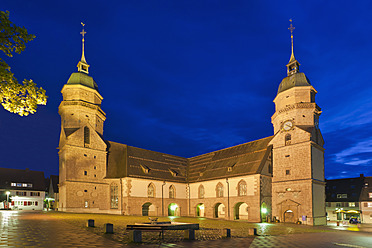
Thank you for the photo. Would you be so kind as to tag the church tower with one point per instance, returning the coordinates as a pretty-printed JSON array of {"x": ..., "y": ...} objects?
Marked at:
[
  {"x": 82, "y": 150},
  {"x": 298, "y": 187}
]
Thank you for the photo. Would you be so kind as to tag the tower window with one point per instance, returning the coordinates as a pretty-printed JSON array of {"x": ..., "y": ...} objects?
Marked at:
[
  {"x": 312, "y": 96},
  {"x": 95, "y": 167},
  {"x": 288, "y": 172},
  {"x": 287, "y": 139},
  {"x": 86, "y": 135},
  {"x": 85, "y": 190},
  {"x": 85, "y": 173}
]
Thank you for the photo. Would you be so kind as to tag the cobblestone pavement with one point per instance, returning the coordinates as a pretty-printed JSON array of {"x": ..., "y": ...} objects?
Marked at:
[
  {"x": 323, "y": 240},
  {"x": 36, "y": 229}
]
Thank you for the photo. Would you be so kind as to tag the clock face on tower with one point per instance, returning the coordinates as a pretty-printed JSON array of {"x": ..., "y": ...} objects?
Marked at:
[{"x": 287, "y": 125}]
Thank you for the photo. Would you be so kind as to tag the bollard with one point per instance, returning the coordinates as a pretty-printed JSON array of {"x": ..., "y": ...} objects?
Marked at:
[
  {"x": 90, "y": 223},
  {"x": 252, "y": 231},
  {"x": 108, "y": 227},
  {"x": 338, "y": 223},
  {"x": 226, "y": 233},
  {"x": 135, "y": 236},
  {"x": 189, "y": 234}
]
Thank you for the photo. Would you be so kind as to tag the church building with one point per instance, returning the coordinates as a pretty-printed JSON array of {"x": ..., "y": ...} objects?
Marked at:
[{"x": 279, "y": 177}]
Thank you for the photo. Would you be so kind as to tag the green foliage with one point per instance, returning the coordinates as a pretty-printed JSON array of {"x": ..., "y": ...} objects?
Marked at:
[{"x": 17, "y": 98}]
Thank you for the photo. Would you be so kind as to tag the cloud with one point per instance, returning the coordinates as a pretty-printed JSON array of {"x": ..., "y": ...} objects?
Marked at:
[{"x": 354, "y": 154}]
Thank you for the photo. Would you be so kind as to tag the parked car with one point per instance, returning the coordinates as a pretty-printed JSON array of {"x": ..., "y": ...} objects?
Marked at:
[{"x": 354, "y": 220}]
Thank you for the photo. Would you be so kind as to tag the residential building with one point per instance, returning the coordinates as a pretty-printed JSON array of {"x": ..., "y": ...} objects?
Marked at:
[
  {"x": 366, "y": 201},
  {"x": 26, "y": 188}
]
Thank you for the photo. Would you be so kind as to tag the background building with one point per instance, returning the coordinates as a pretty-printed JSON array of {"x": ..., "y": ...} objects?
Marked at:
[
  {"x": 26, "y": 187},
  {"x": 349, "y": 197}
]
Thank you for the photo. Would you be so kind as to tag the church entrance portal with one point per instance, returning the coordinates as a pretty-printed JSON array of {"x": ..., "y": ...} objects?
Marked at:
[
  {"x": 289, "y": 216},
  {"x": 148, "y": 209},
  {"x": 264, "y": 212},
  {"x": 200, "y": 210},
  {"x": 173, "y": 210},
  {"x": 241, "y": 211},
  {"x": 219, "y": 211}
]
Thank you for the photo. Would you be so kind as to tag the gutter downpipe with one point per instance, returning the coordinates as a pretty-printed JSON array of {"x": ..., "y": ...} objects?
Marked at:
[
  {"x": 228, "y": 198},
  {"x": 162, "y": 198},
  {"x": 188, "y": 185}
]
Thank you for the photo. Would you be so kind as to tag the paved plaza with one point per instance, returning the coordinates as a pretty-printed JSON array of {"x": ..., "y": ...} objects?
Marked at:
[{"x": 37, "y": 229}]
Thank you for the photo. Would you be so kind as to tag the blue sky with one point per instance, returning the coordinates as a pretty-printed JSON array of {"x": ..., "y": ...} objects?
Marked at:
[{"x": 190, "y": 77}]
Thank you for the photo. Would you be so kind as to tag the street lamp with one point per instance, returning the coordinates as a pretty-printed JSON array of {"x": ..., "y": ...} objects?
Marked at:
[{"x": 7, "y": 199}]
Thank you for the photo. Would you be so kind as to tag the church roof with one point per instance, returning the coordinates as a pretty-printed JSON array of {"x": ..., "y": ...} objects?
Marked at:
[
  {"x": 294, "y": 80},
  {"x": 129, "y": 161},
  {"x": 244, "y": 159},
  {"x": 238, "y": 160},
  {"x": 82, "y": 79}
]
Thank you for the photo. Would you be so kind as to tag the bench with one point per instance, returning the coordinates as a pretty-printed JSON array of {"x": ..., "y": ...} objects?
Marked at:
[{"x": 135, "y": 231}]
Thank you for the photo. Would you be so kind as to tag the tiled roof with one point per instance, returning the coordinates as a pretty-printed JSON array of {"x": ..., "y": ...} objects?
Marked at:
[
  {"x": 297, "y": 79},
  {"x": 352, "y": 187},
  {"x": 238, "y": 160},
  {"x": 55, "y": 180},
  {"x": 8, "y": 176},
  {"x": 82, "y": 79}
]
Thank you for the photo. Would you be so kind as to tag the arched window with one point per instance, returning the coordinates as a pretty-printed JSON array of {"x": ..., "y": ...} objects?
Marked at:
[
  {"x": 172, "y": 192},
  {"x": 219, "y": 190},
  {"x": 114, "y": 195},
  {"x": 151, "y": 190},
  {"x": 201, "y": 191},
  {"x": 242, "y": 188},
  {"x": 287, "y": 139},
  {"x": 86, "y": 135}
]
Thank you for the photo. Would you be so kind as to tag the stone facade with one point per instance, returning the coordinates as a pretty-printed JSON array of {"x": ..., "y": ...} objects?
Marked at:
[{"x": 280, "y": 176}]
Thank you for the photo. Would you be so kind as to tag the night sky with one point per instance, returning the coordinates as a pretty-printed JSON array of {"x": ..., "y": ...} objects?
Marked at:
[{"x": 190, "y": 77}]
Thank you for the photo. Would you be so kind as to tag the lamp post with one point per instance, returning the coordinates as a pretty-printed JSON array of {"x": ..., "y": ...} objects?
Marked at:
[{"x": 7, "y": 199}]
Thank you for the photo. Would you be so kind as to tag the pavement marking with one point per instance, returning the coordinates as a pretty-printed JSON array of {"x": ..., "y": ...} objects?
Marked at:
[{"x": 348, "y": 245}]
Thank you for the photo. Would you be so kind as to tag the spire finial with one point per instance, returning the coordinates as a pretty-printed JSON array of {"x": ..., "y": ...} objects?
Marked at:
[
  {"x": 83, "y": 65},
  {"x": 293, "y": 65},
  {"x": 291, "y": 28},
  {"x": 83, "y": 40}
]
